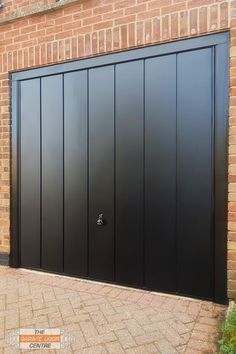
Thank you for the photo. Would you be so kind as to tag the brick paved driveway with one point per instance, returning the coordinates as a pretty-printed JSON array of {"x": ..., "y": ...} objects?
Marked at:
[{"x": 104, "y": 318}]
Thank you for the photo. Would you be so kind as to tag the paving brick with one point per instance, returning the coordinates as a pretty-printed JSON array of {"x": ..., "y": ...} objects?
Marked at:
[
  {"x": 55, "y": 320},
  {"x": 118, "y": 317},
  {"x": 114, "y": 348},
  {"x": 148, "y": 338},
  {"x": 134, "y": 328},
  {"x": 125, "y": 338},
  {"x": 101, "y": 339},
  {"x": 105, "y": 323},
  {"x": 98, "y": 317},
  {"x": 107, "y": 309},
  {"x": 111, "y": 327},
  {"x": 2, "y": 328},
  {"x": 199, "y": 345},
  {"x": 12, "y": 321},
  {"x": 143, "y": 349},
  {"x": 80, "y": 342},
  {"x": 165, "y": 347},
  {"x": 2, "y": 302},
  {"x": 88, "y": 329},
  {"x": 76, "y": 319},
  {"x": 98, "y": 349}
]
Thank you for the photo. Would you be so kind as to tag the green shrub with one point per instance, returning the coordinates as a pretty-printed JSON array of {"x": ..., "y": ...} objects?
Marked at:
[{"x": 228, "y": 341}]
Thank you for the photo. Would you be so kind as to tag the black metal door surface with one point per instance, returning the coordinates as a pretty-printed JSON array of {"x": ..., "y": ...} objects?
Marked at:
[{"x": 118, "y": 168}]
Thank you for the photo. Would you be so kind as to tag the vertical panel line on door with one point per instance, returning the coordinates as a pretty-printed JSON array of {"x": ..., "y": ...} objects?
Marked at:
[
  {"x": 213, "y": 170},
  {"x": 88, "y": 270},
  {"x": 144, "y": 171},
  {"x": 114, "y": 172},
  {"x": 176, "y": 182},
  {"x": 63, "y": 167},
  {"x": 40, "y": 178}
]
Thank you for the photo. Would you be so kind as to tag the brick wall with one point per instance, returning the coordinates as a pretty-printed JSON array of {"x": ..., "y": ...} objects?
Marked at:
[{"x": 34, "y": 33}]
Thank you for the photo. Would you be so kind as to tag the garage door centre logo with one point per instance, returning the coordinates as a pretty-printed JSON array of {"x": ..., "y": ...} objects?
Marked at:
[{"x": 43, "y": 339}]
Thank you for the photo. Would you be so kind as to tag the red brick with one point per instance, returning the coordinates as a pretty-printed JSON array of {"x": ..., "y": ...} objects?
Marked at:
[
  {"x": 124, "y": 37},
  {"x": 81, "y": 49},
  {"x": 183, "y": 23},
  {"x": 72, "y": 9},
  {"x": 63, "y": 19},
  {"x": 43, "y": 53},
  {"x": 28, "y": 29},
  {"x": 214, "y": 17},
  {"x": 232, "y": 216},
  {"x": 37, "y": 34},
  {"x": 46, "y": 24},
  {"x": 45, "y": 39},
  {"x": 165, "y": 28},
  {"x": 124, "y": 3},
  {"x": 10, "y": 64},
  {"x": 156, "y": 30},
  {"x": 148, "y": 14},
  {"x": 193, "y": 21},
  {"x": 198, "y": 3},
  {"x": 116, "y": 38},
  {"x": 68, "y": 48},
  {"x": 63, "y": 35},
  {"x": 72, "y": 25},
  {"x": 92, "y": 20},
  {"x": 102, "y": 9},
  {"x": 31, "y": 56},
  {"x": 131, "y": 35},
  {"x": 83, "y": 30},
  {"x": 224, "y": 15},
  {"x": 12, "y": 33},
  {"x": 26, "y": 57},
  {"x": 37, "y": 55},
  {"x": 156, "y": 4},
  {"x": 113, "y": 15},
  {"x": 54, "y": 29},
  {"x": 94, "y": 42},
  {"x": 88, "y": 47},
  {"x": 140, "y": 33},
  {"x": 148, "y": 31},
  {"x": 20, "y": 59},
  {"x": 232, "y": 159},
  {"x": 82, "y": 14},
  {"x": 173, "y": 8},
  {"x": 22, "y": 38},
  {"x": 124, "y": 20},
  {"x": 174, "y": 25},
  {"x": 102, "y": 46},
  {"x": 135, "y": 9},
  {"x": 231, "y": 265},
  {"x": 49, "y": 52},
  {"x": 102, "y": 25},
  {"x": 108, "y": 40},
  {"x": 203, "y": 19},
  {"x": 74, "y": 48}
]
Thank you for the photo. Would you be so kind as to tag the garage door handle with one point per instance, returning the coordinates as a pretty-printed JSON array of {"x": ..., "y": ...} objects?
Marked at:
[{"x": 100, "y": 220}]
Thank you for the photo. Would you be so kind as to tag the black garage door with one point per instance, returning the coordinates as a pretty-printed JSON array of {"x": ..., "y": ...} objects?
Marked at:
[{"x": 119, "y": 167}]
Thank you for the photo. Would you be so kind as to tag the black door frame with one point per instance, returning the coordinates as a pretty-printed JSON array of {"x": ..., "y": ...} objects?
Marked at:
[{"x": 220, "y": 44}]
